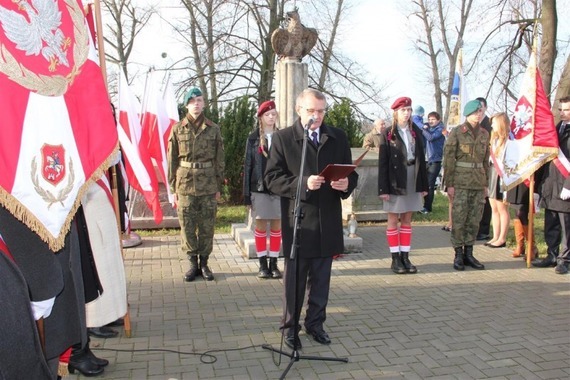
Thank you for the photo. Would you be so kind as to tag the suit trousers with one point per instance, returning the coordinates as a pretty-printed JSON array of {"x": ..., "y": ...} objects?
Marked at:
[
  {"x": 557, "y": 233},
  {"x": 312, "y": 275}
]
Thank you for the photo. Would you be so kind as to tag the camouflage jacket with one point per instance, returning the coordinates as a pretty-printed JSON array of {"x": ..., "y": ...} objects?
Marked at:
[
  {"x": 466, "y": 158},
  {"x": 195, "y": 159}
]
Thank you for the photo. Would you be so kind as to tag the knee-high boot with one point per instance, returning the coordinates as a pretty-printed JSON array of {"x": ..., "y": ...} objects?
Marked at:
[{"x": 520, "y": 237}]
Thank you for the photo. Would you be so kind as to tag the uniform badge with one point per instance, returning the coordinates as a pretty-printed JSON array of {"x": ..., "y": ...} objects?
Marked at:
[{"x": 42, "y": 47}]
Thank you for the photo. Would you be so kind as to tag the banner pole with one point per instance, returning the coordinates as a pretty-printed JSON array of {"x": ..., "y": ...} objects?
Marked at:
[{"x": 112, "y": 169}]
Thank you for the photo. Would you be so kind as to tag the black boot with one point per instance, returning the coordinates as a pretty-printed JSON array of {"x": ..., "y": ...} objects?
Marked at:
[
  {"x": 470, "y": 260},
  {"x": 263, "y": 268},
  {"x": 81, "y": 361},
  {"x": 548, "y": 261},
  {"x": 193, "y": 271},
  {"x": 458, "y": 261},
  {"x": 397, "y": 266},
  {"x": 206, "y": 271},
  {"x": 410, "y": 268},
  {"x": 99, "y": 361},
  {"x": 275, "y": 272}
]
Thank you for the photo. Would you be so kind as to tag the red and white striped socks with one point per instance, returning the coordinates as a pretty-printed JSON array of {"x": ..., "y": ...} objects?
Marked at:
[{"x": 399, "y": 241}]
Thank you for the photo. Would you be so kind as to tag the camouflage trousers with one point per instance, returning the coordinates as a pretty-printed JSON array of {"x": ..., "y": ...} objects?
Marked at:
[
  {"x": 466, "y": 213},
  {"x": 197, "y": 216}
]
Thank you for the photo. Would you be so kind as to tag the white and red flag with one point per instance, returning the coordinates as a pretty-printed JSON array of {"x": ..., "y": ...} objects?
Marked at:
[
  {"x": 158, "y": 116},
  {"x": 533, "y": 140},
  {"x": 58, "y": 133},
  {"x": 138, "y": 164}
]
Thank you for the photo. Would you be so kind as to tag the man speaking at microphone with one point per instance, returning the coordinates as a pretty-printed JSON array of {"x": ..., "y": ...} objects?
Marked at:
[{"x": 321, "y": 233}]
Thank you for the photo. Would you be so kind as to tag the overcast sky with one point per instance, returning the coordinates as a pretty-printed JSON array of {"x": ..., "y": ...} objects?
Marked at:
[{"x": 375, "y": 34}]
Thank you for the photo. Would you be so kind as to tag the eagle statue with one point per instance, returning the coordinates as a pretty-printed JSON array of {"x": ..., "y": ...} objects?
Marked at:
[{"x": 296, "y": 41}]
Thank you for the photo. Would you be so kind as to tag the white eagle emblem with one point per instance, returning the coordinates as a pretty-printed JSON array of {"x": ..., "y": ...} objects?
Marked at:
[{"x": 41, "y": 34}]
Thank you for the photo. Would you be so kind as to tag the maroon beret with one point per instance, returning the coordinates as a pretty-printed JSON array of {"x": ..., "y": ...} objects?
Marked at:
[
  {"x": 265, "y": 106},
  {"x": 401, "y": 102}
]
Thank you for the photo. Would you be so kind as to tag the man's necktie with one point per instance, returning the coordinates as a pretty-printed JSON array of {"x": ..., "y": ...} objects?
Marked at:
[{"x": 314, "y": 138}]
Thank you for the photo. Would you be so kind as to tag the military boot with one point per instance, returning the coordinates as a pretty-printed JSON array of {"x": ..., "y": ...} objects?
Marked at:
[
  {"x": 275, "y": 272},
  {"x": 458, "y": 261},
  {"x": 397, "y": 265},
  {"x": 410, "y": 268},
  {"x": 193, "y": 271},
  {"x": 206, "y": 271},
  {"x": 263, "y": 269},
  {"x": 470, "y": 260}
]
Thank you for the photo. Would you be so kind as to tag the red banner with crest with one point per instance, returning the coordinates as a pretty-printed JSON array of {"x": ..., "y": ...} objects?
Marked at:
[{"x": 58, "y": 132}]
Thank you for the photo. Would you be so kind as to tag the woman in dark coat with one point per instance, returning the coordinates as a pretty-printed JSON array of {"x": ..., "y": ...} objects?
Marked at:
[
  {"x": 402, "y": 181},
  {"x": 265, "y": 207}
]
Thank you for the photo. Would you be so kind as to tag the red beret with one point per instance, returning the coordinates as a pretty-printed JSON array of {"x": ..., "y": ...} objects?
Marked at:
[
  {"x": 401, "y": 102},
  {"x": 265, "y": 106}
]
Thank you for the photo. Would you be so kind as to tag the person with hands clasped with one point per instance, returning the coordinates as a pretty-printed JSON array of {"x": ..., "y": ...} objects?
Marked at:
[
  {"x": 265, "y": 207},
  {"x": 195, "y": 176},
  {"x": 466, "y": 168},
  {"x": 321, "y": 232},
  {"x": 402, "y": 181}
]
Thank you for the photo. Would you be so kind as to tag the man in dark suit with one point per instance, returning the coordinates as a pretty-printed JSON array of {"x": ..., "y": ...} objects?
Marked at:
[
  {"x": 555, "y": 198},
  {"x": 321, "y": 233}
]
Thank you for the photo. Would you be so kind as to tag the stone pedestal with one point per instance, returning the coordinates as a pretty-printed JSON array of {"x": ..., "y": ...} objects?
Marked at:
[
  {"x": 292, "y": 77},
  {"x": 364, "y": 201}
]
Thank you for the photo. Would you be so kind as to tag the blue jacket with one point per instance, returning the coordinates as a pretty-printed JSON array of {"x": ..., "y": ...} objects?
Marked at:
[{"x": 434, "y": 140}]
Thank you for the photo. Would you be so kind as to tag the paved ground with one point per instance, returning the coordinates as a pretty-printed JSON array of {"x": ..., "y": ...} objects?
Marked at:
[{"x": 507, "y": 322}]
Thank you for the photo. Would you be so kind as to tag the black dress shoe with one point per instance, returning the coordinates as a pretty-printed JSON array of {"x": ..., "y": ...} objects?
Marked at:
[
  {"x": 102, "y": 332},
  {"x": 320, "y": 336},
  {"x": 290, "y": 342},
  {"x": 497, "y": 246},
  {"x": 482, "y": 237},
  {"x": 119, "y": 322},
  {"x": 548, "y": 261}
]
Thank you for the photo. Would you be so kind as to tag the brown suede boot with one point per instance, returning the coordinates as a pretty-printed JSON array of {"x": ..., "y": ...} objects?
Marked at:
[
  {"x": 534, "y": 249},
  {"x": 520, "y": 237}
]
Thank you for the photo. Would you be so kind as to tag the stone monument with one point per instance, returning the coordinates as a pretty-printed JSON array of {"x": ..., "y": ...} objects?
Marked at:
[{"x": 290, "y": 44}]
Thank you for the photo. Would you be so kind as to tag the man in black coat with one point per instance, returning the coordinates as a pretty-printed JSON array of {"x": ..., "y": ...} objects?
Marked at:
[
  {"x": 321, "y": 233},
  {"x": 555, "y": 198}
]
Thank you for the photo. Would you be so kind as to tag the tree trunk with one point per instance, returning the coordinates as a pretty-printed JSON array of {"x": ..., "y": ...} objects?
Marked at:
[{"x": 549, "y": 23}]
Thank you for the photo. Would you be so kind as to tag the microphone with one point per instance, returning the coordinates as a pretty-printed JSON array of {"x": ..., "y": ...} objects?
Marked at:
[{"x": 310, "y": 122}]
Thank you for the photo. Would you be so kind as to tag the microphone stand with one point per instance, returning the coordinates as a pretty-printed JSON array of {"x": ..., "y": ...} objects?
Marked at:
[{"x": 298, "y": 214}]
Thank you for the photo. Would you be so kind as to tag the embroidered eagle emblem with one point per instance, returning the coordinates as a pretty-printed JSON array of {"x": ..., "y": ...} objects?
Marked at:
[{"x": 39, "y": 32}]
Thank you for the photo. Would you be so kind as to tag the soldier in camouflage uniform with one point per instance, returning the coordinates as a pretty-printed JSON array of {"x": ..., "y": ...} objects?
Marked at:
[
  {"x": 466, "y": 164},
  {"x": 195, "y": 177}
]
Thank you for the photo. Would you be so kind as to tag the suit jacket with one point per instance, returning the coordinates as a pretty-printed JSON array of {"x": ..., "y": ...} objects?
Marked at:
[
  {"x": 553, "y": 181},
  {"x": 321, "y": 233}
]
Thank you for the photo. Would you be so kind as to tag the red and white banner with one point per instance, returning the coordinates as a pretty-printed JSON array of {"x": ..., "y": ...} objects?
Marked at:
[
  {"x": 58, "y": 132},
  {"x": 138, "y": 164},
  {"x": 158, "y": 116},
  {"x": 533, "y": 140}
]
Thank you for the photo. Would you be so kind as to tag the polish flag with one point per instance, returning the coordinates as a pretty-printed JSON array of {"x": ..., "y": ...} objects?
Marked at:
[
  {"x": 158, "y": 115},
  {"x": 533, "y": 139},
  {"x": 138, "y": 164},
  {"x": 58, "y": 133}
]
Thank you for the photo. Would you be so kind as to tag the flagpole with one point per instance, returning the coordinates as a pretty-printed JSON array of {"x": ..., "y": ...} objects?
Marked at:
[
  {"x": 530, "y": 234},
  {"x": 112, "y": 169}
]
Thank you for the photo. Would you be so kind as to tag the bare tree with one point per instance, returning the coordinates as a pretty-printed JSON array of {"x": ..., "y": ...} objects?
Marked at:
[
  {"x": 440, "y": 43},
  {"x": 127, "y": 22}
]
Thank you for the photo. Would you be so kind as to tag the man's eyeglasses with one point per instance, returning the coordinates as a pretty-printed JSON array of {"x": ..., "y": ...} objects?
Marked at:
[{"x": 313, "y": 111}]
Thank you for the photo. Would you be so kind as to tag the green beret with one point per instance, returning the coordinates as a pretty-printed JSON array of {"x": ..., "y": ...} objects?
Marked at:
[
  {"x": 192, "y": 93},
  {"x": 471, "y": 106}
]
